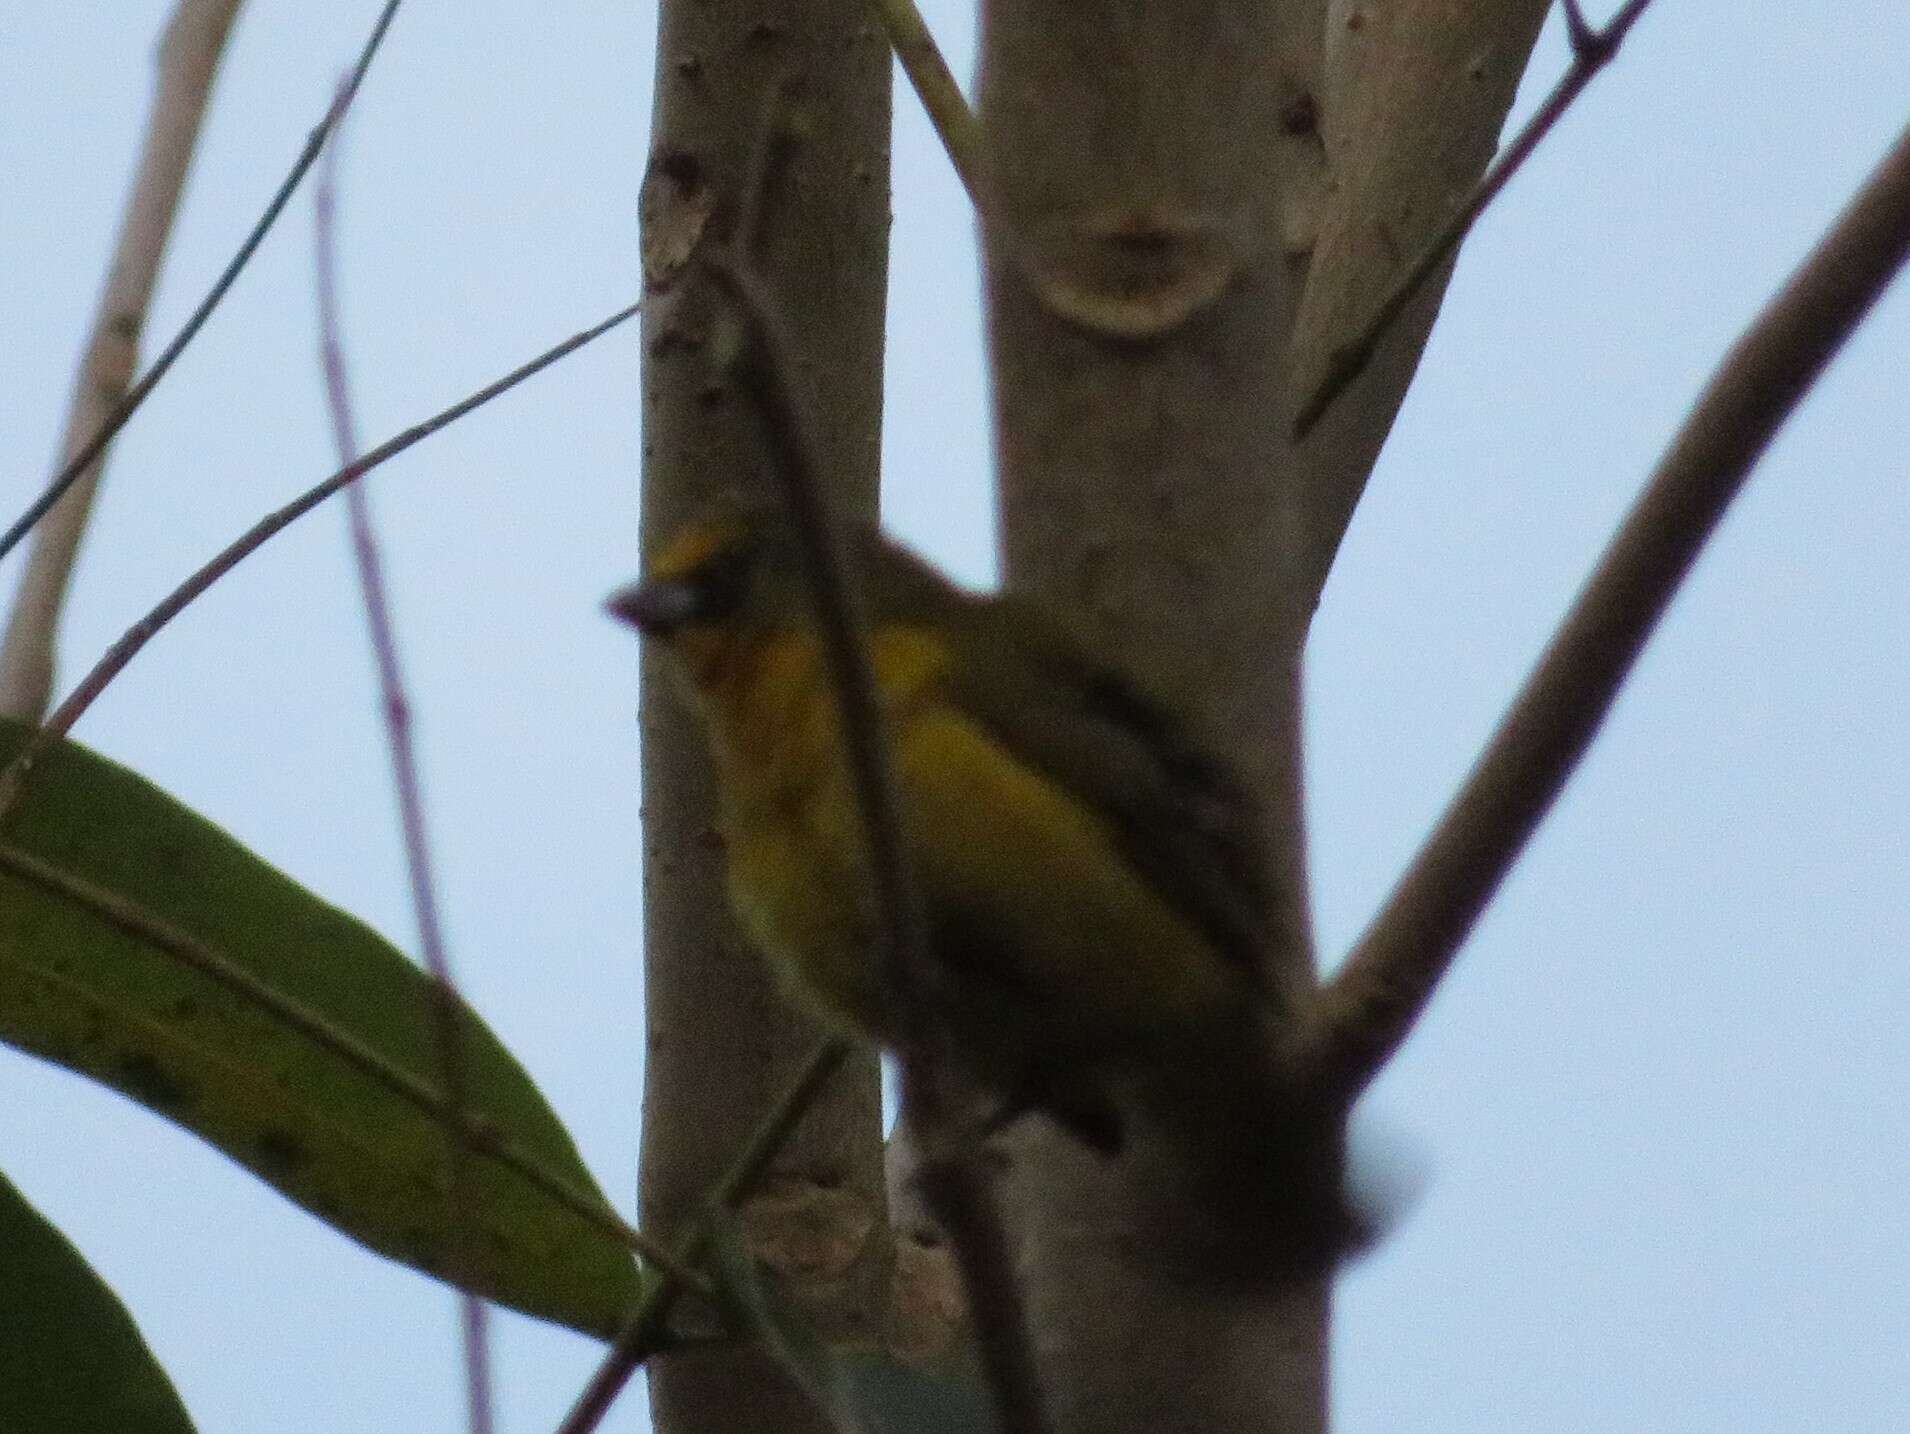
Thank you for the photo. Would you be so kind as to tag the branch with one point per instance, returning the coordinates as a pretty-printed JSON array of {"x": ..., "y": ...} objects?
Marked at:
[
  {"x": 1416, "y": 99},
  {"x": 935, "y": 86},
  {"x": 954, "y": 1188},
  {"x": 1379, "y": 993},
  {"x": 189, "y": 56},
  {"x": 1592, "y": 50},
  {"x": 94, "y": 446},
  {"x": 642, "y": 1336},
  {"x": 758, "y": 357},
  {"x": 461, "y": 1195},
  {"x": 133, "y": 920},
  {"x": 755, "y": 362},
  {"x": 823, "y": 74},
  {"x": 136, "y": 637}
]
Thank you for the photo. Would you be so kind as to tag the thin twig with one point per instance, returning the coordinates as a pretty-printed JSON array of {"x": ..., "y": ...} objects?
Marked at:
[
  {"x": 957, "y": 1191},
  {"x": 136, "y": 637},
  {"x": 935, "y": 86},
  {"x": 757, "y": 357},
  {"x": 1591, "y": 52},
  {"x": 757, "y": 365},
  {"x": 641, "y": 1336},
  {"x": 461, "y": 1193},
  {"x": 1386, "y": 981},
  {"x": 647, "y": 1328},
  {"x": 81, "y": 460},
  {"x": 1578, "y": 30},
  {"x": 189, "y": 54},
  {"x": 754, "y": 354},
  {"x": 132, "y": 920}
]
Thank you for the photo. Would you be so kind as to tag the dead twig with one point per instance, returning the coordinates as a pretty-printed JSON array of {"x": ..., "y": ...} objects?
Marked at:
[
  {"x": 952, "y": 1183},
  {"x": 641, "y": 1336}
]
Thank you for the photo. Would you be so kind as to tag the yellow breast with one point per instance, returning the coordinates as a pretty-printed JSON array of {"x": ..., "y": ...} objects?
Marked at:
[{"x": 797, "y": 865}]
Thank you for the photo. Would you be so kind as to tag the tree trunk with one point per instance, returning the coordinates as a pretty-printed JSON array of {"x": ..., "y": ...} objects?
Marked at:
[
  {"x": 1139, "y": 301},
  {"x": 1168, "y": 188},
  {"x": 721, "y": 1042},
  {"x": 1161, "y": 199}
]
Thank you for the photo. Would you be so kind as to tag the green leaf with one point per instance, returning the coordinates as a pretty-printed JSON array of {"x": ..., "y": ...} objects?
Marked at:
[
  {"x": 71, "y": 1359},
  {"x": 863, "y": 1391},
  {"x": 105, "y": 996}
]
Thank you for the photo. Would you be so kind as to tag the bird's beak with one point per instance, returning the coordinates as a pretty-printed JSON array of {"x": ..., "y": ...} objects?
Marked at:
[{"x": 658, "y": 607}]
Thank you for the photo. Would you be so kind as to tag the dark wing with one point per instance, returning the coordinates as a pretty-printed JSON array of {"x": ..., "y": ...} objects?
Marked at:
[{"x": 1177, "y": 812}]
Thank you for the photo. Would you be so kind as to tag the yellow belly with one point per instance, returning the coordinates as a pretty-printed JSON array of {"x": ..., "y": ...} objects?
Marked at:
[
  {"x": 798, "y": 889},
  {"x": 1045, "y": 940},
  {"x": 797, "y": 871}
]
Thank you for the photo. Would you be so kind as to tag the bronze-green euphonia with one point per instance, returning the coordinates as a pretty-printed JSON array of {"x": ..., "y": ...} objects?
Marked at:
[{"x": 1090, "y": 871}]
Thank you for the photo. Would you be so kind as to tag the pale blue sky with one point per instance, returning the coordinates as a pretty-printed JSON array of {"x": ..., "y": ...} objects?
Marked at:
[{"x": 1661, "y": 1102}]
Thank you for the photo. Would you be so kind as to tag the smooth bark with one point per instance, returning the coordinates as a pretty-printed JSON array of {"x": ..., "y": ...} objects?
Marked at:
[
  {"x": 1417, "y": 94},
  {"x": 1169, "y": 188},
  {"x": 722, "y": 1043},
  {"x": 1139, "y": 298}
]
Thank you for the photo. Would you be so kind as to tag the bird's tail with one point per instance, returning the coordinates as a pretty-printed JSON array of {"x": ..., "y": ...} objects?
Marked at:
[{"x": 1273, "y": 1171}]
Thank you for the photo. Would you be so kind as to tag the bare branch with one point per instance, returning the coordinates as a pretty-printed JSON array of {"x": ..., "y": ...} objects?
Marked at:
[
  {"x": 935, "y": 86},
  {"x": 189, "y": 57},
  {"x": 1140, "y": 289},
  {"x": 136, "y": 637},
  {"x": 460, "y": 1193},
  {"x": 1349, "y": 360},
  {"x": 757, "y": 363},
  {"x": 953, "y": 1186},
  {"x": 1372, "y": 1004},
  {"x": 83, "y": 458}
]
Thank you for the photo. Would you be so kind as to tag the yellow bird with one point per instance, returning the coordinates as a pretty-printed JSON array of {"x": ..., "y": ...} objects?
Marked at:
[{"x": 1091, "y": 873}]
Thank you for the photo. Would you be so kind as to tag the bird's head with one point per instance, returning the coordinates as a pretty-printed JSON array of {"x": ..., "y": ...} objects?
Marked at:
[
  {"x": 736, "y": 576},
  {"x": 730, "y": 578},
  {"x": 734, "y": 580}
]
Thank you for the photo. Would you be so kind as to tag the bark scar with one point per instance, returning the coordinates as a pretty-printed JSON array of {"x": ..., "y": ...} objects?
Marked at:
[
  {"x": 1134, "y": 273},
  {"x": 673, "y": 209}
]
